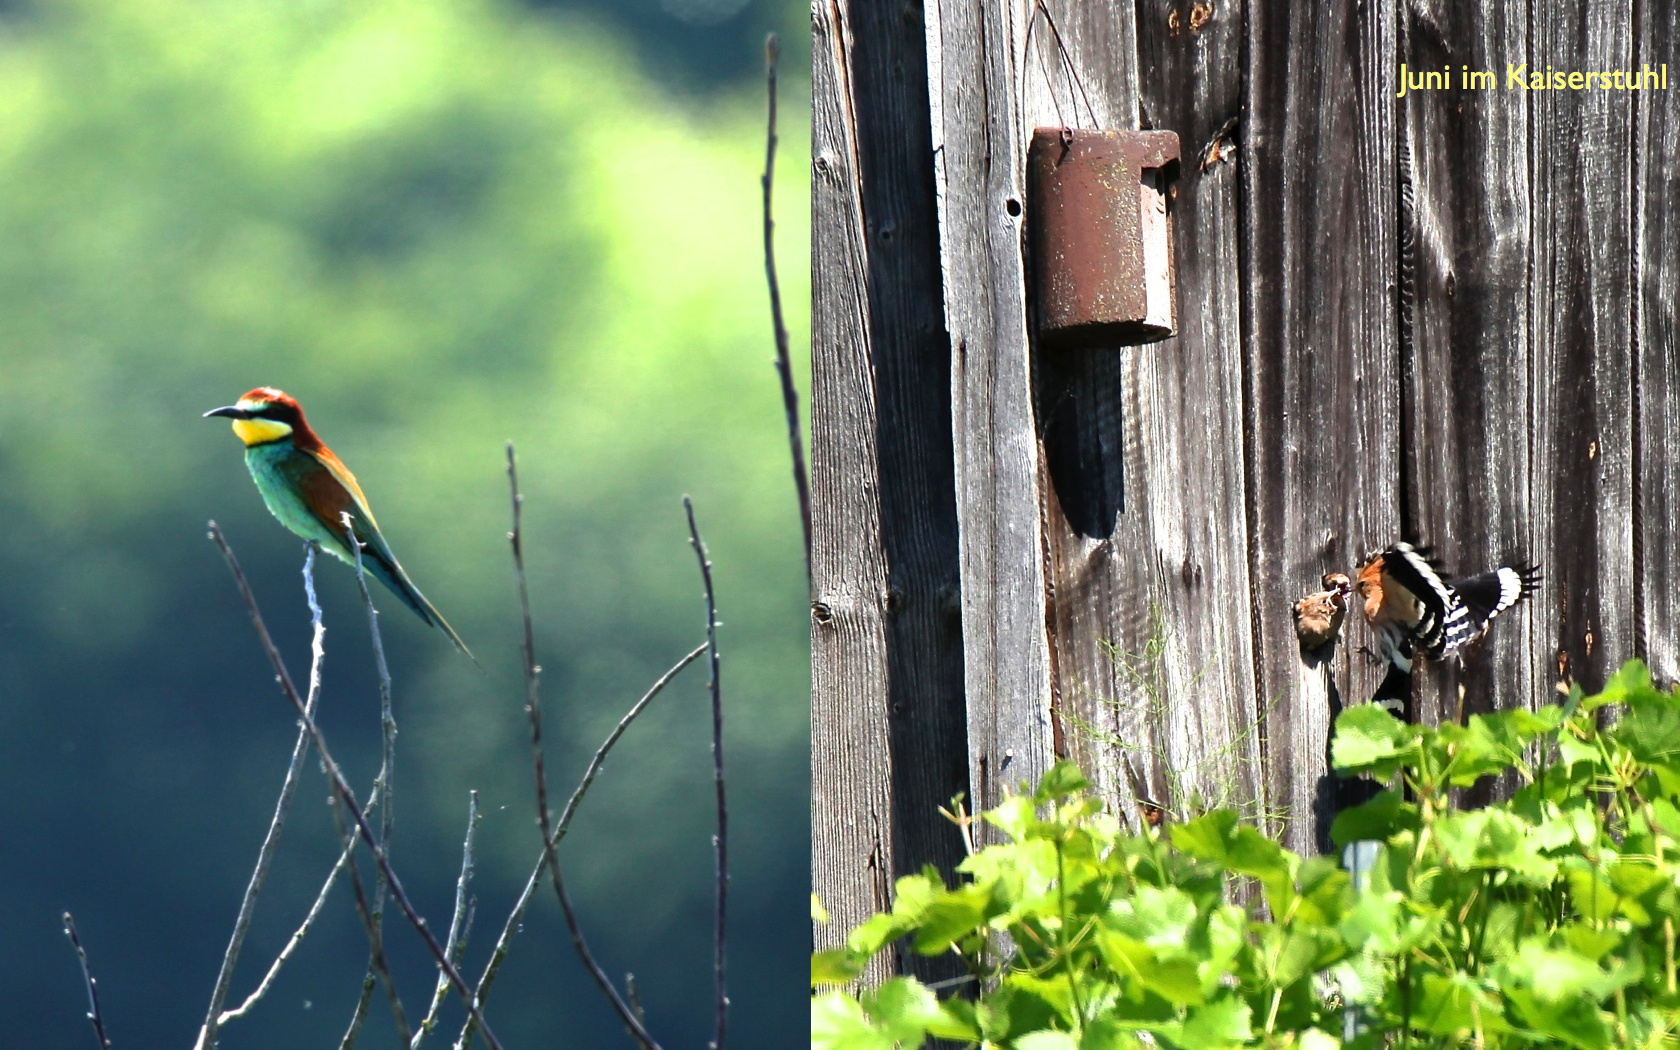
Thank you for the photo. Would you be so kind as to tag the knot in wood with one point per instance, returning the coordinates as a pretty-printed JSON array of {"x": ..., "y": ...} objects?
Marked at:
[{"x": 892, "y": 600}]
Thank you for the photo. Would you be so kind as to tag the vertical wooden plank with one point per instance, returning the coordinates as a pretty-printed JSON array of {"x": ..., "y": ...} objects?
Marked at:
[
  {"x": 1323, "y": 377},
  {"x": 1141, "y": 662},
  {"x": 1109, "y": 664},
  {"x": 975, "y": 50},
  {"x": 1464, "y": 329},
  {"x": 911, "y": 363},
  {"x": 1657, "y": 512},
  {"x": 887, "y": 719},
  {"x": 1139, "y": 487},
  {"x": 1580, "y": 313},
  {"x": 851, "y": 802},
  {"x": 1183, "y": 472}
]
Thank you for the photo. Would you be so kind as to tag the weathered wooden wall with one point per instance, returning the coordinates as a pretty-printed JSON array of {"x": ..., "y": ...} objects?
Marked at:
[
  {"x": 1449, "y": 316},
  {"x": 1316, "y": 154},
  {"x": 1466, "y": 340},
  {"x": 1656, "y": 154},
  {"x": 887, "y": 719}
]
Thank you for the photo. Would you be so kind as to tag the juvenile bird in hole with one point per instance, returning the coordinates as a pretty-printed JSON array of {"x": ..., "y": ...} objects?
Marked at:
[{"x": 1318, "y": 616}]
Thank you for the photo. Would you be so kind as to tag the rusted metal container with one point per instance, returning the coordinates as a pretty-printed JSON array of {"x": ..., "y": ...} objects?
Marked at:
[{"x": 1102, "y": 235}]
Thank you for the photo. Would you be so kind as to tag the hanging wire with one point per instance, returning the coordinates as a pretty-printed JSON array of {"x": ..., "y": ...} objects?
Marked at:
[{"x": 1075, "y": 85}]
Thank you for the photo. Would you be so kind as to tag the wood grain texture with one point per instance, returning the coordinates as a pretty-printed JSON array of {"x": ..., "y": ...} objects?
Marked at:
[
  {"x": 1657, "y": 512},
  {"x": 1319, "y": 264},
  {"x": 851, "y": 775},
  {"x": 1108, "y": 671},
  {"x": 1450, "y": 316},
  {"x": 1153, "y": 599},
  {"x": 975, "y": 50},
  {"x": 1581, "y": 312},
  {"x": 1465, "y": 336},
  {"x": 910, "y": 360},
  {"x": 887, "y": 708}
]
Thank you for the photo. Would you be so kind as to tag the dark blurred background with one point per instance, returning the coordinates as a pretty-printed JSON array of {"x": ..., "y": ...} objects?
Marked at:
[{"x": 442, "y": 225}]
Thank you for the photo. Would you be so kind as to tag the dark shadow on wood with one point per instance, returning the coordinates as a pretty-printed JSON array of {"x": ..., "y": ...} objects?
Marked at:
[
  {"x": 889, "y": 719},
  {"x": 927, "y": 725},
  {"x": 927, "y": 718},
  {"x": 1078, "y": 401},
  {"x": 1332, "y": 794},
  {"x": 1473, "y": 673},
  {"x": 1337, "y": 793},
  {"x": 1322, "y": 657}
]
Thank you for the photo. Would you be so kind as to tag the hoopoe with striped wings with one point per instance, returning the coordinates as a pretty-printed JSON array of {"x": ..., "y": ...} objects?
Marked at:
[{"x": 1415, "y": 611}]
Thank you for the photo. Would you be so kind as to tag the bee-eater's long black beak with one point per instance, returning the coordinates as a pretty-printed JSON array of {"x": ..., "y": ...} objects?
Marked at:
[{"x": 231, "y": 411}]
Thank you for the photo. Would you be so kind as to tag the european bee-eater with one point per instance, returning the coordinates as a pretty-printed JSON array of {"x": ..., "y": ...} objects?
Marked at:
[{"x": 310, "y": 490}]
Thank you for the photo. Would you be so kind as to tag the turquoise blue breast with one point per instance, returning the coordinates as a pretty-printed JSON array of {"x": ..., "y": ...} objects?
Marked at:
[{"x": 269, "y": 465}]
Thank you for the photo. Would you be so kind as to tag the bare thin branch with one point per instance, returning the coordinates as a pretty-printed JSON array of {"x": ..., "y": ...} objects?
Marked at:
[
  {"x": 612, "y": 738},
  {"x": 385, "y": 784},
  {"x": 298, "y": 934},
  {"x": 214, "y": 1017},
  {"x": 377, "y": 967},
  {"x": 784, "y": 365},
  {"x": 374, "y": 799},
  {"x": 458, "y": 923},
  {"x": 528, "y": 645},
  {"x": 464, "y": 1040},
  {"x": 359, "y": 1015},
  {"x": 344, "y": 791},
  {"x": 635, "y": 1000},
  {"x": 532, "y": 708},
  {"x": 720, "y": 843},
  {"x": 94, "y": 1014}
]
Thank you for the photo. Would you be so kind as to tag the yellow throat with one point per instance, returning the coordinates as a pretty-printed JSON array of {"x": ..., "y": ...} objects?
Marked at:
[{"x": 260, "y": 431}]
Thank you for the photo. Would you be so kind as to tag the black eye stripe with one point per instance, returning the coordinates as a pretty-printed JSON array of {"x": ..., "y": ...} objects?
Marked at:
[{"x": 277, "y": 412}]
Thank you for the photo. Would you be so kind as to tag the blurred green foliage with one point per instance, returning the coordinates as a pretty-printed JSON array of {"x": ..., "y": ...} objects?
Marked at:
[
  {"x": 701, "y": 44},
  {"x": 442, "y": 225},
  {"x": 1544, "y": 920}
]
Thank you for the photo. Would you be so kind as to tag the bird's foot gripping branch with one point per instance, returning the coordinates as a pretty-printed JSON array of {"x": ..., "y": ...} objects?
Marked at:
[{"x": 1547, "y": 920}]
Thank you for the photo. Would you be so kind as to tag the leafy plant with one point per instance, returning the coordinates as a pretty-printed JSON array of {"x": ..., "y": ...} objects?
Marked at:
[{"x": 1545, "y": 920}]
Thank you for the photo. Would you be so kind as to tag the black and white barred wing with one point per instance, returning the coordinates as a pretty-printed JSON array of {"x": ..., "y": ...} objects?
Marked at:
[
  {"x": 1441, "y": 614},
  {"x": 1484, "y": 596}
]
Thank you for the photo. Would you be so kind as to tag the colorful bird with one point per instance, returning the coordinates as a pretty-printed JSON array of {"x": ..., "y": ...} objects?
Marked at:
[
  {"x": 1413, "y": 609},
  {"x": 1318, "y": 616},
  {"x": 310, "y": 490}
]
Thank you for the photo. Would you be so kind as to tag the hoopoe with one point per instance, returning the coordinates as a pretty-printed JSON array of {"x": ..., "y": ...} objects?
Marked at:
[
  {"x": 1318, "y": 616},
  {"x": 1415, "y": 611}
]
